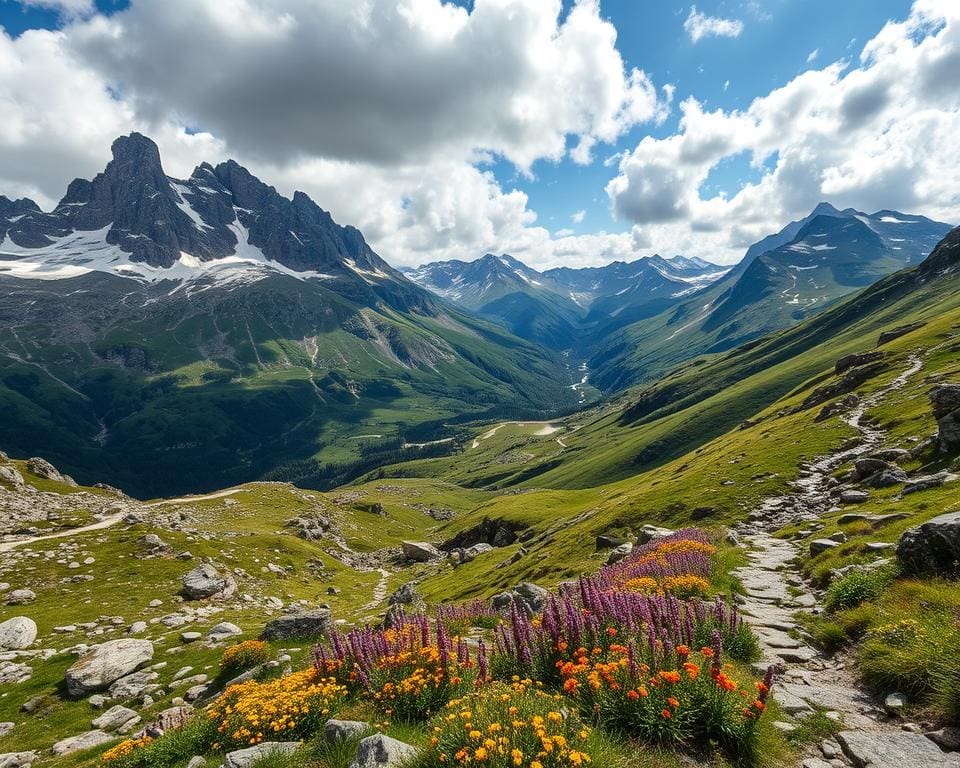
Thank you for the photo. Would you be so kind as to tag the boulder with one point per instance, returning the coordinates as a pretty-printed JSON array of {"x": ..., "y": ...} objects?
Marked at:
[
  {"x": 822, "y": 545},
  {"x": 895, "y": 703},
  {"x": 868, "y": 466},
  {"x": 43, "y": 468},
  {"x": 204, "y": 581},
  {"x": 896, "y": 455},
  {"x": 926, "y": 482},
  {"x": 18, "y": 759},
  {"x": 344, "y": 730},
  {"x": 945, "y": 402},
  {"x": 618, "y": 553},
  {"x": 86, "y": 741},
  {"x": 223, "y": 631},
  {"x": 245, "y": 758},
  {"x": 106, "y": 664},
  {"x": 379, "y": 751},
  {"x": 859, "y": 358},
  {"x": 887, "y": 478},
  {"x": 11, "y": 476},
  {"x": 307, "y": 625},
  {"x": 932, "y": 548},
  {"x": 853, "y": 497},
  {"x": 405, "y": 595},
  {"x": 896, "y": 333},
  {"x": 650, "y": 532},
  {"x": 608, "y": 542},
  {"x": 21, "y": 597},
  {"x": 533, "y": 596},
  {"x": 420, "y": 551},
  {"x": 17, "y": 633},
  {"x": 471, "y": 553},
  {"x": 893, "y": 749},
  {"x": 947, "y": 738},
  {"x": 134, "y": 685},
  {"x": 114, "y": 718}
]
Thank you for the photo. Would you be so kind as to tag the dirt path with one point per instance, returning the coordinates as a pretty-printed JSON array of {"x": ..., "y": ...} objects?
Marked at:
[
  {"x": 188, "y": 499},
  {"x": 775, "y": 592},
  {"x": 107, "y": 522},
  {"x": 379, "y": 591}
]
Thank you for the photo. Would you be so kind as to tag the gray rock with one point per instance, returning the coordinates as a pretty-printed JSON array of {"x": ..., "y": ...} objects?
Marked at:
[
  {"x": 223, "y": 631},
  {"x": 926, "y": 482},
  {"x": 202, "y": 582},
  {"x": 197, "y": 761},
  {"x": 17, "y": 633},
  {"x": 405, "y": 595},
  {"x": 896, "y": 333},
  {"x": 18, "y": 759},
  {"x": 887, "y": 478},
  {"x": 420, "y": 551},
  {"x": 133, "y": 686},
  {"x": 106, "y": 664},
  {"x": 114, "y": 718},
  {"x": 245, "y": 758},
  {"x": 11, "y": 476},
  {"x": 85, "y": 741},
  {"x": 13, "y": 672},
  {"x": 650, "y": 532},
  {"x": 858, "y": 358},
  {"x": 894, "y": 703},
  {"x": 619, "y": 553},
  {"x": 822, "y": 545},
  {"x": 309, "y": 625},
  {"x": 379, "y": 751},
  {"x": 932, "y": 548},
  {"x": 471, "y": 553},
  {"x": 137, "y": 628},
  {"x": 608, "y": 542},
  {"x": 6, "y": 728},
  {"x": 945, "y": 402},
  {"x": 896, "y": 455},
  {"x": 190, "y": 637},
  {"x": 21, "y": 597},
  {"x": 947, "y": 738},
  {"x": 893, "y": 749},
  {"x": 43, "y": 468},
  {"x": 533, "y": 596},
  {"x": 343, "y": 730},
  {"x": 854, "y": 497},
  {"x": 869, "y": 466}
]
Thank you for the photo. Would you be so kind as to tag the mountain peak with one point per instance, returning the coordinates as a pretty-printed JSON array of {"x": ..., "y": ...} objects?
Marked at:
[
  {"x": 136, "y": 150},
  {"x": 824, "y": 209}
]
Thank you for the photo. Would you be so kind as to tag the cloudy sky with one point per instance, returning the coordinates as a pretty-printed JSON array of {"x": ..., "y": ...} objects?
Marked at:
[{"x": 566, "y": 133}]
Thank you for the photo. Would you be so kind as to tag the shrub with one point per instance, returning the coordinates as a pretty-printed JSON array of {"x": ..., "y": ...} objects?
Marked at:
[
  {"x": 288, "y": 708},
  {"x": 856, "y": 587},
  {"x": 503, "y": 726},
  {"x": 174, "y": 748},
  {"x": 243, "y": 656}
]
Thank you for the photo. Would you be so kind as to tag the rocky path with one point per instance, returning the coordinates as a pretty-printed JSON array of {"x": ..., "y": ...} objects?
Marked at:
[
  {"x": 379, "y": 591},
  {"x": 775, "y": 592}
]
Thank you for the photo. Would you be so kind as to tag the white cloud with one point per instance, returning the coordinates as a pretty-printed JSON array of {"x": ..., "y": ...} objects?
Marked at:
[
  {"x": 883, "y": 134},
  {"x": 384, "y": 112},
  {"x": 813, "y": 55},
  {"x": 726, "y": 85},
  {"x": 578, "y": 217},
  {"x": 564, "y": 233},
  {"x": 698, "y": 25}
]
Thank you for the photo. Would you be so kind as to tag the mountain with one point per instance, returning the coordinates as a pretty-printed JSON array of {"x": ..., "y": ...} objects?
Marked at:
[
  {"x": 171, "y": 335},
  {"x": 565, "y": 308},
  {"x": 503, "y": 289},
  {"x": 803, "y": 269}
]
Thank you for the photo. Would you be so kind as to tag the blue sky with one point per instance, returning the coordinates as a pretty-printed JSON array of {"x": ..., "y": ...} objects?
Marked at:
[
  {"x": 440, "y": 131},
  {"x": 777, "y": 38}
]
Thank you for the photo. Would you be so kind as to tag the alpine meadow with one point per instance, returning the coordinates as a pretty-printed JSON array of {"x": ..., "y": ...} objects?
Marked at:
[{"x": 479, "y": 383}]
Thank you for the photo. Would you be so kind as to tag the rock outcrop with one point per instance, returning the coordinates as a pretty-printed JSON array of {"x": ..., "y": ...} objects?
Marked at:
[
  {"x": 308, "y": 625},
  {"x": 107, "y": 663},
  {"x": 945, "y": 400},
  {"x": 932, "y": 548}
]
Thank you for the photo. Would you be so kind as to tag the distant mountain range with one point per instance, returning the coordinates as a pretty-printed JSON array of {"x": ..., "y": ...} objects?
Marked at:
[
  {"x": 174, "y": 335},
  {"x": 558, "y": 306},
  {"x": 786, "y": 277}
]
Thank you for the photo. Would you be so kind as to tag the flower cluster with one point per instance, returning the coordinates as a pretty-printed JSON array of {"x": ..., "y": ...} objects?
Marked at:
[
  {"x": 291, "y": 707},
  {"x": 242, "y": 656},
  {"x": 119, "y": 752},
  {"x": 900, "y": 633},
  {"x": 406, "y": 673},
  {"x": 680, "y": 696},
  {"x": 509, "y": 725}
]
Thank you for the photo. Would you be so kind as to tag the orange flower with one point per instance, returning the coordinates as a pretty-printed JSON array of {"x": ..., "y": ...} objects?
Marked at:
[
  {"x": 692, "y": 670},
  {"x": 673, "y": 702},
  {"x": 570, "y": 686},
  {"x": 670, "y": 676},
  {"x": 611, "y": 631},
  {"x": 632, "y": 695},
  {"x": 682, "y": 650},
  {"x": 665, "y": 714}
]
